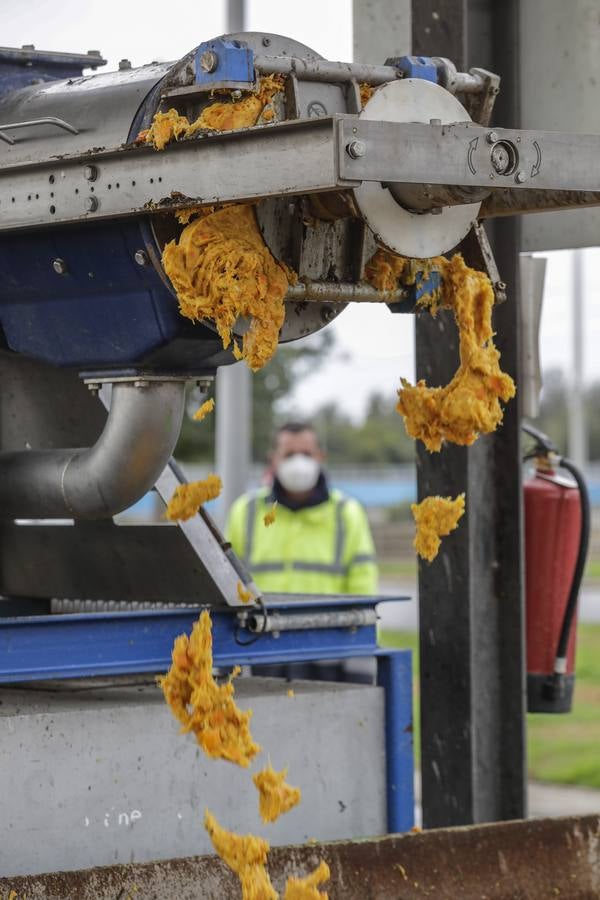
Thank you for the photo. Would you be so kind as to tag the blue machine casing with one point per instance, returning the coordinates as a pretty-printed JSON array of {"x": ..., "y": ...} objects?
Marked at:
[
  {"x": 81, "y": 317},
  {"x": 21, "y": 68},
  {"x": 105, "y": 309}
]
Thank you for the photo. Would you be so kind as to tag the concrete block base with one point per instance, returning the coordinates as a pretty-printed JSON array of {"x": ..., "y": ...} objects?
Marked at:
[{"x": 95, "y": 773}]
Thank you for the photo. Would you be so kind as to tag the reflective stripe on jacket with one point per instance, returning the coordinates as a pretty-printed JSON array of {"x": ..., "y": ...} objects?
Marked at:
[{"x": 324, "y": 549}]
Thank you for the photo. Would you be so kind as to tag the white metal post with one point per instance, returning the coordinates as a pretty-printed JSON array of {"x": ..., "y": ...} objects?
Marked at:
[{"x": 578, "y": 450}]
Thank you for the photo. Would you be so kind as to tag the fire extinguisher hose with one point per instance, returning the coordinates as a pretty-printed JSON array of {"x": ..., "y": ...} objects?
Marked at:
[{"x": 560, "y": 663}]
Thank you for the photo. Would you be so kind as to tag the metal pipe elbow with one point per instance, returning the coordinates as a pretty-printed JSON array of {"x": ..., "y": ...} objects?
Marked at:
[{"x": 98, "y": 482}]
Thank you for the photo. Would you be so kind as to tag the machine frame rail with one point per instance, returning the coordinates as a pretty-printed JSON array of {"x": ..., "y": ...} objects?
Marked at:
[
  {"x": 77, "y": 645},
  {"x": 338, "y": 152}
]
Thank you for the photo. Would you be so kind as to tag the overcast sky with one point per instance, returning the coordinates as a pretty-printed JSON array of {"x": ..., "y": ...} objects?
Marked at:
[{"x": 381, "y": 345}]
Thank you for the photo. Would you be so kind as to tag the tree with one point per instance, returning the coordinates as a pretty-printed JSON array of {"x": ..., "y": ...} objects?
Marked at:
[
  {"x": 380, "y": 439},
  {"x": 274, "y": 384},
  {"x": 271, "y": 385}
]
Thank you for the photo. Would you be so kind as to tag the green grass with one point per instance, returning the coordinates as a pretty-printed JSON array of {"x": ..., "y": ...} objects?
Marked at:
[
  {"x": 592, "y": 570},
  {"x": 404, "y": 568},
  {"x": 561, "y": 748},
  {"x": 407, "y": 568}
]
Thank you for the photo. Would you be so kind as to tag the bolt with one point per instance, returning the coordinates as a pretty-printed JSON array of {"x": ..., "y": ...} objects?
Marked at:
[
  {"x": 209, "y": 61},
  {"x": 327, "y": 314},
  {"x": 59, "y": 266},
  {"x": 90, "y": 173},
  {"x": 266, "y": 42},
  {"x": 436, "y": 211},
  {"x": 141, "y": 257},
  {"x": 520, "y": 177},
  {"x": 93, "y": 388},
  {"x": 141, "y": 384},
  {"x": 124, "y": 64},
  {"x": 90, "y": 204},
  {"x": 500, "y": 285},
  {"x": 236, "y": 95},
  {"x": 435, "y": 121},
  {"x": 492, "y": 137},
  {"x": 356, "y": 149}
]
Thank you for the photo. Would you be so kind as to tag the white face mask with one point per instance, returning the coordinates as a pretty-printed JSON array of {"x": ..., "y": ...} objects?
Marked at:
[{"x": 298, "y": 473}]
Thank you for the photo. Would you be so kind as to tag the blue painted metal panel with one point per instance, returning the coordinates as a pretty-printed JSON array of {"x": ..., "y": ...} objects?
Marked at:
[
  {"x": 394, "y": 675},
  {"x": 19, "y": 69},
  {"x": 235, "y": 62},
  {"x": 105, "y": 310},
  {"x": 80, "y": 645},
  {"x": 74, "y": 646}
]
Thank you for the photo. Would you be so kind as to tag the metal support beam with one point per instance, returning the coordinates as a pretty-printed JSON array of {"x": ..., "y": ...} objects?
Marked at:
[
  {"x": 472, "y": 707},
  {"x": 34, "y": 648},
  {"x": 543, "y": 858},
  {"x": 395, "y": 677},
  {"x": 263, "y": 161}
]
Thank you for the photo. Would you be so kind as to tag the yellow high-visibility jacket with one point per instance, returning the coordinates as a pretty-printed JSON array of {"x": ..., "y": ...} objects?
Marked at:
[{"x": 324, "y": 549}]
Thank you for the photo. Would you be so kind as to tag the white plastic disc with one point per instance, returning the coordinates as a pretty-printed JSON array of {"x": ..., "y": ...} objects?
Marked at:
[{"x": 408, "y": 233}]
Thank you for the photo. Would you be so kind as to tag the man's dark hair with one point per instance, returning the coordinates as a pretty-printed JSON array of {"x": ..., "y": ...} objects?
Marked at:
[{"x": 294, "y": 427}]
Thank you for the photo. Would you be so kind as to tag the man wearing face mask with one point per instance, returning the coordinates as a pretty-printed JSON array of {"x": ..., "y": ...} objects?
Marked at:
[{"x": 320, "y": 542}]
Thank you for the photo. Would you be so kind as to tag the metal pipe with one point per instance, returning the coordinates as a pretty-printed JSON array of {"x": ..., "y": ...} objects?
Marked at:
[
  {"x": 98, "y": 482},
  {"x": 330, "y": 71},
  {"x": 46, "y": 120},
  {"x": 301, "y": 621},
  {"x": 324, "y": 70},
  {"x": 335, "y": 292}
]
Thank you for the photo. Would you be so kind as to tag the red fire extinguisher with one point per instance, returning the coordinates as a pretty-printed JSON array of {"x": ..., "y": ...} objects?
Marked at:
[{"x": 557, "y": 529}]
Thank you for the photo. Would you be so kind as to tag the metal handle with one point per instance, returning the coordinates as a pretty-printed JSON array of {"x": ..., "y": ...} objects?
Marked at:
[{"x": 47, "y": 120}]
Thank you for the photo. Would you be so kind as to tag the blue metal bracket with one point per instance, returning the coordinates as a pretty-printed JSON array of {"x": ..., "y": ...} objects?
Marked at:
[
  {"x": 416, "y": 67},
  {"x": 219, "y": 60},
  {"x": 423, "y": 285}
]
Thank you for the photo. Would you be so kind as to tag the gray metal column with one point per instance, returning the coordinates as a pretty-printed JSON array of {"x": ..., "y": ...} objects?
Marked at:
[
  {"x": 381, "y": 28},
  {"x": 471, "y": 619},
  {"x": 233, "y": 440},
  {"x": 235, "y": 16},
  {"x": 233, "y": 384}
]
